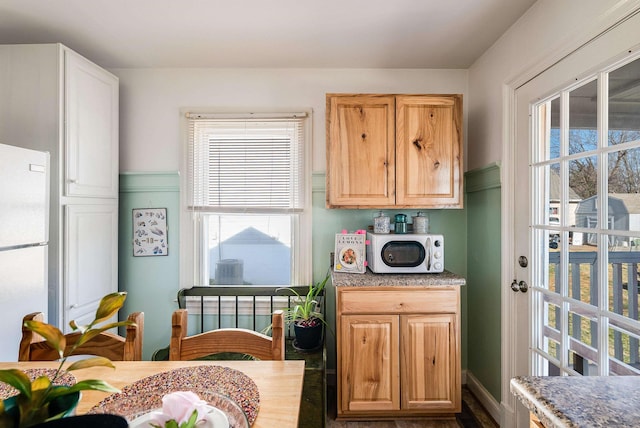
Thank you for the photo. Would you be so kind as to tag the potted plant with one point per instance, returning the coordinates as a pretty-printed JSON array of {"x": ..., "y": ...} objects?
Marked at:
[
  {"x": 40, "y": 400},
  {"x": 306, "y": 316}
]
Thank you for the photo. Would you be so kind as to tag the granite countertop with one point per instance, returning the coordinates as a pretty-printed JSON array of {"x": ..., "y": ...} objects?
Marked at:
[
  {"x": 581, "y": 401},
  {"x": 370, "y": 279}
]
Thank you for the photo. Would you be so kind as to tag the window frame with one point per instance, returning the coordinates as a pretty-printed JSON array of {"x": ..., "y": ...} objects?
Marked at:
[{"x": 191, "y": 253}]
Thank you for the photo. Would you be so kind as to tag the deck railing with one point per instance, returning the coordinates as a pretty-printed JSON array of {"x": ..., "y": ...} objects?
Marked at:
[{"x": 623, "y": 295}]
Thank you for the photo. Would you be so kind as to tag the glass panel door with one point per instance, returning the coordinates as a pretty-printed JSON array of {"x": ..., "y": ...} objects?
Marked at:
[{"x": 585, "y": 175}]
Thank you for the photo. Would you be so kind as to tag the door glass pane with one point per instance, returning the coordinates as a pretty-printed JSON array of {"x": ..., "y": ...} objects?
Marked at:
[
  {"x": 583, "y": 272},
  {"x": 583, "y": 177},
  {"x": 583, "y": 118},
  {"x": 554, "y": 131},
  {"x": 582, "y": 364},
  {"x": 623, "y": 277},
  {"x": 583, "y": 191},
  {"x": 551, "y": 331},
  {"x": 624, "y": 350},
  {"x": 624, "y": 189},
  {"x": 624, "y": 104},
  {"x": 583, "y": 338}
]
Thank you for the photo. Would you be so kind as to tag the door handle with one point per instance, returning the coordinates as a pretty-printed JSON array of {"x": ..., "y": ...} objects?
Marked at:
[{"x": 519, "y": 286}]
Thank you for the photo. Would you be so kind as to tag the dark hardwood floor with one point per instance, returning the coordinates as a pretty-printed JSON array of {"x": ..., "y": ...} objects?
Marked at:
[{"x": 473, "y": 415}]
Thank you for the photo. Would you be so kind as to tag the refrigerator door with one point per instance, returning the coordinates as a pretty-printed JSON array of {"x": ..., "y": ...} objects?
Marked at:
[
  {"x": 24, "y": 228},
  {"x": 23, "y": 289},
  {"x": 24, "y": 197}
]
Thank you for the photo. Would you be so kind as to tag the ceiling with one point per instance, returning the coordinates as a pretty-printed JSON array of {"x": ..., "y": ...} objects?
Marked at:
[{"x": 265, "y": 33}]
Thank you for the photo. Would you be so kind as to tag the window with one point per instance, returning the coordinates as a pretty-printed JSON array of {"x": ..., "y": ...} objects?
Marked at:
[{"x": 248, "y": 199}]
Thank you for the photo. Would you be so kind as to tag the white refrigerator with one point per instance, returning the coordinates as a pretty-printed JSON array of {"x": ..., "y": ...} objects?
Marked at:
[{"x": 24, "y": 232}]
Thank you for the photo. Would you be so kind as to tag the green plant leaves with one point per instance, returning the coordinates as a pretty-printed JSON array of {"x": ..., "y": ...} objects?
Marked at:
[
  {"x": 109, "y": 305},
  {"x": 51, "y": 334},
  {"x": 18, "y": 379},
  {"x": 34, "y": 397},
  {"x": 83, "y": 385},
  {"x": 91, "y": 362}
]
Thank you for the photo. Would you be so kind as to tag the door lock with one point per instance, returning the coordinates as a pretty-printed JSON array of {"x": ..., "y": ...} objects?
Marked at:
[{"x": 519, "y": 286}]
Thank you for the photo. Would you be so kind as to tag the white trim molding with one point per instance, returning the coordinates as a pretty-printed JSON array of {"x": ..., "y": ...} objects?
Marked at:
[{"x": 483, "y": 396}]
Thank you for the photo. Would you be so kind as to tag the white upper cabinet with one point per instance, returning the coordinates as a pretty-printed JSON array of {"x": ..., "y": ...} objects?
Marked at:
[{"x": 91, "y": 129}]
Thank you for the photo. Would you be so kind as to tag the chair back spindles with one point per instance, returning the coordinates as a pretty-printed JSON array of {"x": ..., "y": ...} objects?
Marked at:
[
  {"x": 116, "y": 348},
  {"x": 234, "y": 340}
]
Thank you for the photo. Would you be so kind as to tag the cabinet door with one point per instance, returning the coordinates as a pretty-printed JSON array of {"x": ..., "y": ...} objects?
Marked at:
[
  {"x": 91, "y": 257},
  {"x": 429, "y": 151},
  {"x": 369, "y": 372},
  {"x": 91, "y": 129},
  {"x": 360, "y": 151},
  {"x": 430, "y": 367}
]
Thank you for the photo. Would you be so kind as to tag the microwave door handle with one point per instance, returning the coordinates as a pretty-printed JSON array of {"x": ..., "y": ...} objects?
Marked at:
[{"x": 428, "y": 254}]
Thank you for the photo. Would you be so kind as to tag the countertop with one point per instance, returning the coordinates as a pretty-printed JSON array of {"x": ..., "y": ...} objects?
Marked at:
[
  {"x": 370, "y": 279},
  {"x": 580, "y": 401}
]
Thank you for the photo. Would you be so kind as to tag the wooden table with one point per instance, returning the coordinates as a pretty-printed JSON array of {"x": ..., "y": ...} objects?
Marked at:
[{"x": 279, "y": 383}]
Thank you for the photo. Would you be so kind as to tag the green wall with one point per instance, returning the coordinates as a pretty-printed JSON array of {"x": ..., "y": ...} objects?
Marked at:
[
  {"x": 152, "y": 282},
  {"x": 483, "y": 276}
]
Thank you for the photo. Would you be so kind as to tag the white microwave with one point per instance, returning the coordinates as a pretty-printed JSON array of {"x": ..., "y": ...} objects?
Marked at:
[{"x": 405, "y": 253}]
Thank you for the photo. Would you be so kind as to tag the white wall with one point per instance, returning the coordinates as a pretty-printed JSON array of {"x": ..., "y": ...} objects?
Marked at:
[
  {"x": 150, "y": 101},
  {"x": 549, "y": 30}
]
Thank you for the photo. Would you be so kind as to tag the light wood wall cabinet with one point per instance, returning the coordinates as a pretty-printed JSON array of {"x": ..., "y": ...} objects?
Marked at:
[
  {"x": 394, "y": 151},
  {"x": 55, "y": 100},
  {"x": 398, "y": 352}
]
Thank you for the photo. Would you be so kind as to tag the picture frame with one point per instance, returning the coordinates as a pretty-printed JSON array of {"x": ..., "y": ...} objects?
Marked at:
[{"x": 150, "y": 237}]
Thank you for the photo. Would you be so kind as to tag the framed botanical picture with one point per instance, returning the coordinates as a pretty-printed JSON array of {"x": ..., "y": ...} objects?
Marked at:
[{"x": 150, "y": 232}]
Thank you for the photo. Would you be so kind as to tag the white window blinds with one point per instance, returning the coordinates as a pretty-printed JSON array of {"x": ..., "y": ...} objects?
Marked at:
[{"x": 249, "y": 165}]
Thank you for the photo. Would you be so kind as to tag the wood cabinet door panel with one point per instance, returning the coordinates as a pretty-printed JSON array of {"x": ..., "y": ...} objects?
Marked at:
[
  {"x": 430, "y": 372},
  {"x": 369, "y": 368},
  {"x": 360, "y": 150},
  {"x": 428, "y": 150}
]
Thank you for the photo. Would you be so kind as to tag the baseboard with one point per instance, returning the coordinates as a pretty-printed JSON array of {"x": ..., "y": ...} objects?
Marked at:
[{"x": 484, "y": 397}]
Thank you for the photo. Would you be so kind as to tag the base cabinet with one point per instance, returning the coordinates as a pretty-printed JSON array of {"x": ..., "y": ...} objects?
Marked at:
[{"x": 398, "y": 352}]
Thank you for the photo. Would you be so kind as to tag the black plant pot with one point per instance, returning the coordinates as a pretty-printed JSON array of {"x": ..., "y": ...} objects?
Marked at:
[{"x": 308, "y": 338}]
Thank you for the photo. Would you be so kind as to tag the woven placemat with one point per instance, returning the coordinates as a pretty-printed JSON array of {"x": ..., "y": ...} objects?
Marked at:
[
  {"x": 222, "y": 380},
  {"x": 65, "y": 378}
]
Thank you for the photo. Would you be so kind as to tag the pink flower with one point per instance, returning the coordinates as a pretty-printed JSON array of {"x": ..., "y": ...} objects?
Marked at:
[{"x": 179, "y": 406}]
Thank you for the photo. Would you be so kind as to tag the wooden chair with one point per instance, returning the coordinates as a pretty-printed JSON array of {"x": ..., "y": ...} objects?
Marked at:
[
  {"x": 236, "y": 340},
  {"x": 108, "y": 345}
]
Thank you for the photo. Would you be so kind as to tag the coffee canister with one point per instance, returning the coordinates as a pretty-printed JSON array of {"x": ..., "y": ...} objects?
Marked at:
[
  {"x": 420, "y": 223},
  {"x": 381, "y": 223},
  {"x": 401, "y": 223}
]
